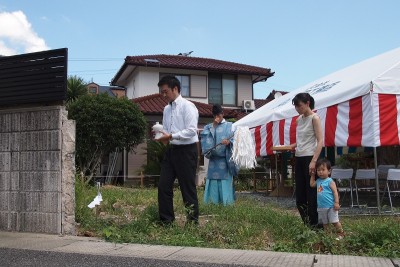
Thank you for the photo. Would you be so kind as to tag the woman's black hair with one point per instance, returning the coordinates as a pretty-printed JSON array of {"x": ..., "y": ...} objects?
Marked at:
[{"x": 303, "y": 97}]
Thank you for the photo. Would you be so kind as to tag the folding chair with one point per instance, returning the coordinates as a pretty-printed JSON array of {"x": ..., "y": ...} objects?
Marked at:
[
  {"x": 340, "y": 175},
  {"x": 383, "y": 171},
  {"x": 365, "y": 176},
  {"x": 382, "y": 176},
  {"x": 393, "y": 179}
]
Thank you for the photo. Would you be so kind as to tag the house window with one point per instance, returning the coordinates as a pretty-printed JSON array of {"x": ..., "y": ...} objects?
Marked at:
[
  {"x": 184, "y": 80},
  {"x": 92, "y": 90},
  {"x": 222, "y": 89}
]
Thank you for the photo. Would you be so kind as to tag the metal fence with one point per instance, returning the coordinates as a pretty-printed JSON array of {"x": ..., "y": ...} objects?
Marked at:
[
  {"x": 34, "y": 77},
  {"x": 129, "y": 181}
]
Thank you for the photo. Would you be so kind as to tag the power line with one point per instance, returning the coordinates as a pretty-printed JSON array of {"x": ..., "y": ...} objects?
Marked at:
[
  {"x": 95, "y": 59},
  {"x": 103, "y": 70}
]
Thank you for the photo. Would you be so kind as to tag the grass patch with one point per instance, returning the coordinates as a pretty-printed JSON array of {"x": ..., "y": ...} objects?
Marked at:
[{"x": 130, "y": 215}]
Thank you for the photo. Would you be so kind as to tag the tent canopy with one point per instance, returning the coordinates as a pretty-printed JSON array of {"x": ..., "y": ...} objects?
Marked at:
[
  {"x": 358, "y": 106},
  {"x": 380, "y": 74}
]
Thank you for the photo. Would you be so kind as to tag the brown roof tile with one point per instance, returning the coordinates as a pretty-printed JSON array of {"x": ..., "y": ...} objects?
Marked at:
[
  {"x": 194, "y": 63},
  {"x": 261, "y": 102},
  {"x": 154, "y": 105}
]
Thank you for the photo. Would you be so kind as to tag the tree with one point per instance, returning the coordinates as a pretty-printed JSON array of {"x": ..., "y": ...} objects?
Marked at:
[
  {"x": 104, "y": 123},
  {"x": 76, "y": 87}
]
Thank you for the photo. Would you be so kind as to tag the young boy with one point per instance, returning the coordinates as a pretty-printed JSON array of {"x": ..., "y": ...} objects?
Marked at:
[{"x": 327, "y": 196}]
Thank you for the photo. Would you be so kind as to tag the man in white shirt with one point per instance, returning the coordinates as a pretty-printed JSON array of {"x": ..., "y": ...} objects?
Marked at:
[{"x": 180, "y": 118}]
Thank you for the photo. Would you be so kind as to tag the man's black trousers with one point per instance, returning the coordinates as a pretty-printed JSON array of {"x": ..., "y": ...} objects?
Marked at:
[{"x": 180, "y": 161}]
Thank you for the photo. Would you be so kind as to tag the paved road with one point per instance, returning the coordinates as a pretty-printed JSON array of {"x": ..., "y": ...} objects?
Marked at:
[
  {"x": 29, "y": 249},
  {"x": 22, "y": 257}
]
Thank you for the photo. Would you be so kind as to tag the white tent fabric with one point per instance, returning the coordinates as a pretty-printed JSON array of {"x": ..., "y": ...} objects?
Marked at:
[{"x": 358, "y": 106}]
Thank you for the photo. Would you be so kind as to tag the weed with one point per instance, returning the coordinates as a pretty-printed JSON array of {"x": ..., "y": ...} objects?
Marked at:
[{"x": 131, "y": 215}]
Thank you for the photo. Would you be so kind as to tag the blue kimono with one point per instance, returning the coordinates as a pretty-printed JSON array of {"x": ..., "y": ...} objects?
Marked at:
[{"x": 219, "y": 187}]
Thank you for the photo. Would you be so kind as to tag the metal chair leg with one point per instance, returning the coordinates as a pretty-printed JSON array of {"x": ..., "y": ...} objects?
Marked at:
[
  {"x": 351, "y": 193},
  {"x": 358, "y": 203},
  {"x": 390, "y": 199},
  {"x": 383, "y": 195}
]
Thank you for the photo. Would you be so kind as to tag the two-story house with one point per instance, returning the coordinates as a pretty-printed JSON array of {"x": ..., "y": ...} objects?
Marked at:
[{"x": 204, "y": 81}]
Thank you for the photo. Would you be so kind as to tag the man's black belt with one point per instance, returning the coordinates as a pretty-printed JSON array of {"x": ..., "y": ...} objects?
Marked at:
[{"x": 180, "y": 146}]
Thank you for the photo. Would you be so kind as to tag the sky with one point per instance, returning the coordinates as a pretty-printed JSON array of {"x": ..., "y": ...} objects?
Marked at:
[{"x": 300, "y": 41}]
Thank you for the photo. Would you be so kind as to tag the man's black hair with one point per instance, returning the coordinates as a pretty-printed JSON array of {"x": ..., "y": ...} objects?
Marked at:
[
  {"x": 171, "y": 81},
  {"x": 217, "y": 109}
]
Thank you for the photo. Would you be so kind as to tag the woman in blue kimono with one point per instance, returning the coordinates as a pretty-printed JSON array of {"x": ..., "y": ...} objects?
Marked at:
[{"x": 216, "y": 140}]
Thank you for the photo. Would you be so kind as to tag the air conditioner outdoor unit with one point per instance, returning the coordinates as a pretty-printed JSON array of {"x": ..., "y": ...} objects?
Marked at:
[{"x": 249, "y": 105}]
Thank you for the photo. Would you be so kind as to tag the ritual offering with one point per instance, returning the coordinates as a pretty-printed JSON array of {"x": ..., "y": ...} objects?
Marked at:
[
  {"x": 157, "y": 129},
  {"x": 244, "y": 152}
]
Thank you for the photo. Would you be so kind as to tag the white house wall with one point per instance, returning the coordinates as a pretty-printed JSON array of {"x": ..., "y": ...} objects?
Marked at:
[
  {"x": 183, "y": 71},
  {"x": 143, "y": 81},
  {"x": 147, "y": 81},
  {"x": 131, "y": 84}
]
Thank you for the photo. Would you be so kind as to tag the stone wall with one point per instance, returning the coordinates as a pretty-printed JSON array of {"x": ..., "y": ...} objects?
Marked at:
[{"x": 37, "y": 167}]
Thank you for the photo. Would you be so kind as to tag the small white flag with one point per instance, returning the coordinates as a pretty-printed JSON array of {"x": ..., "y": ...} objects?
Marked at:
[{"x": 96, "y": 201}]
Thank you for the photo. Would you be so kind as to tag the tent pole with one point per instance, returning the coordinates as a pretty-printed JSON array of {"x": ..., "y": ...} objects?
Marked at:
[{"x": 378, "y": 203}]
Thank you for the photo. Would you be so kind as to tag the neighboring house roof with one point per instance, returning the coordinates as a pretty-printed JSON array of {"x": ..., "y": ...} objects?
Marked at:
[
  {"x": 274, "y": 92},
  {"x": 261, "y": 102},
  {"x": 106, "y": 89},
  {"x": 154, "y": 105},
  {"x": 194, "y": 63}
]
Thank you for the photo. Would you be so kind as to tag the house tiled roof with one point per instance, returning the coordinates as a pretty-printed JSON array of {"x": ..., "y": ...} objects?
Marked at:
[
  {"x": 261, "y": 102},
  {"x": 154, "y": 105},
  {"x": 105, "y": 89},
  {"x": 194, "y": 63}
]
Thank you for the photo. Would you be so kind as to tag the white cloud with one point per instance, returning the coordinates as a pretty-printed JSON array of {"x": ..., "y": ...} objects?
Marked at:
[
  {"x": 17, "y": 35},
  {"x": 5, "y": 51}
]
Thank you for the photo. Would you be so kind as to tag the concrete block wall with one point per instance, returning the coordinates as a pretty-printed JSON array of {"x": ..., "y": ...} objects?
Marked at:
[{"x": 37, "y": 168}]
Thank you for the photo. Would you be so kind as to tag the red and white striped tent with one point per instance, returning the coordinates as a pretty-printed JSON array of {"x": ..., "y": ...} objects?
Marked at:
[{"x": 358, "y": 106}]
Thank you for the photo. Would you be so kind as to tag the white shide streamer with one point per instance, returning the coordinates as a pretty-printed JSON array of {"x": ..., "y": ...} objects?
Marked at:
[{"x": 244, "y": 152}]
